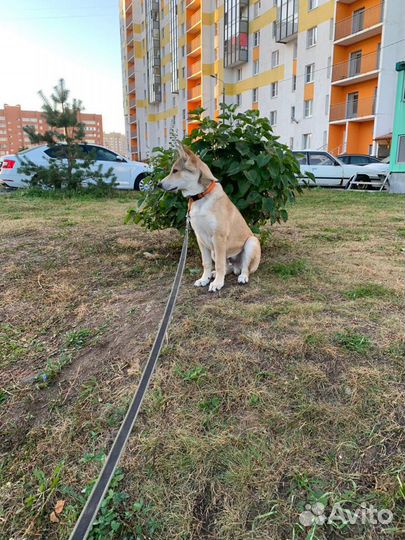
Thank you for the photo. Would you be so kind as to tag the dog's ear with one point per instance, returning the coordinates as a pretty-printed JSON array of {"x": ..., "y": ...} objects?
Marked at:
[
  {"x": 184, "y": 151},
  {"x": 206, "y": 175}
]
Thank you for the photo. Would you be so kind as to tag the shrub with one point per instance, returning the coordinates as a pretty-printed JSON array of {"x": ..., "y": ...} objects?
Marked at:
[{"x": 258, "y": 173}]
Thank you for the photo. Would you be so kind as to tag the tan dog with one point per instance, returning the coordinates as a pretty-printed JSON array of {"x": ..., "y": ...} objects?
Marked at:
[{"x": 222, "y": 234}]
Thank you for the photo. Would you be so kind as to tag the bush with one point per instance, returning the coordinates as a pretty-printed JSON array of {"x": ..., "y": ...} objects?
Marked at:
[{"x": 259, "y": 174}]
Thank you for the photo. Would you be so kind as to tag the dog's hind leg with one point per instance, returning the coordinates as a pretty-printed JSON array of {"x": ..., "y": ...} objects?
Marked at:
[{"x": 250, "y": 258}]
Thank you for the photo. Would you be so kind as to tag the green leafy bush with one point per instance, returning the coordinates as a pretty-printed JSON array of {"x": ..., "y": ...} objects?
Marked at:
[{"x": 259, "y": 174}]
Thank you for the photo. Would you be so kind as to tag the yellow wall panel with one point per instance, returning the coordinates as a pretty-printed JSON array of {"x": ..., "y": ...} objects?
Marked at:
[{"x": 308, "y": 19}]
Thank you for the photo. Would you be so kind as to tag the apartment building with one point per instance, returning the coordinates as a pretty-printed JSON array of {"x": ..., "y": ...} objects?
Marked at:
[
  {"x": 13, "y": 119},
  {"x": 117, "y": 142},
  {"x": 305, "y": 64}
]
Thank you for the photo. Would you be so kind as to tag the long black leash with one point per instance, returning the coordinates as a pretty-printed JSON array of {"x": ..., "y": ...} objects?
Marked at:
[{"x": 89, "y": 512}]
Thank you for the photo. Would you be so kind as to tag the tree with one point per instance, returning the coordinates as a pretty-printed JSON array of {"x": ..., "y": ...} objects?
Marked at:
[
  {"x": 258, "y": 173},
  {"x": 72, "y": 164}
]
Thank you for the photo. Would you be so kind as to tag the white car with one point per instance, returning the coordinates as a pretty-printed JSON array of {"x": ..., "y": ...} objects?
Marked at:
[
  {"x": 383, "y": 167},
  {"x": 129, "y": 174},
  {"x": 329, "y": 171}
]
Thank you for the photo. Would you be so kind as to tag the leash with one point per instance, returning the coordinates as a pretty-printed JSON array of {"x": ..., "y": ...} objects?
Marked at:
[{"x": 89, "y": 512}]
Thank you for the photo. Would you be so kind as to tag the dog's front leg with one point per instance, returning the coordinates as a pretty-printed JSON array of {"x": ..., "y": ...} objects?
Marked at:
[
  {"x": 220, "y": 264},
  {"x": 207, "y": 265}
]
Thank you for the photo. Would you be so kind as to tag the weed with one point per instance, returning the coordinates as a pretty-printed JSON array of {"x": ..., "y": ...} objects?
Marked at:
[
  {"x": 354, "y": 342},
  {"x": 254, "y": 400},
  {"x": 369, "y": 290},
  {"x": 290, "y": 269},
  {"x": 194, "y": 374},
  {"x": 78, "y": 338},
  {"x": 52, "y": 369},
  {"x": 211, "y": 405}
]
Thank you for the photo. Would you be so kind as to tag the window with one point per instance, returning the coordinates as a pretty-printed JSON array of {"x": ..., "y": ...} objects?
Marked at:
[
  {"x": 401, "y": 149},
  {"x": 355, "y": 63},
  {"x": 255, "y": 67},
  {"x": 183, "y": 72},
  {"x": 312, "y": 4},
  {"x": 256, "y": 10},
  {"x": 308, "y": 105},
  {"x": 300, "y": 157},
  {"x": 293, "y": 114},
  {"x": 255, "y": 94},
  {"x": 306, "y": 140},
  {"x": 274, "y": 89},
  {"x": 238, "y": 74},
  {"x": 183, "y": 114},
  {"x": 273, "y": 118},
  {"x": 320, "y": 159},
  {"x": 274, "y": 29},
  {"x": 102, "y": 154},
  {"x": 331, "y": 28},
  {"x": 275, "y": 59},
  {"x": 329, "y": 67},
  {"x": 352, "y": 105},
  {"x": 291, "y": 143},
  {"x": 295, "y": 50},
  {"x": 309, "y": 73},
  {"x": 327, "y": 104},
  {"x": 294, "y": 83},
  {"x": 238, "y": 100},
  {"x": 312, "y": 36},
  {"x": 325, "y": 139},
  {"x": 183, "y": 51},
  {"x": 358, "y": 20},
  {"x": 56, "y": 152},
  {"x": 256, "y": 39}
]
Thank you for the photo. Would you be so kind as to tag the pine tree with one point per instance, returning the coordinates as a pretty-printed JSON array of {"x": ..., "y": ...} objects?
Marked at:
[{"x": 73, "y": 166}]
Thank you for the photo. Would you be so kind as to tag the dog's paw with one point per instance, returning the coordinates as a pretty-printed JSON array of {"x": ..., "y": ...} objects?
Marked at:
[
  {"x": 202, "y": 282},
  {"x": 216, "y": 285},
  {"x": 243, "y": 278}
]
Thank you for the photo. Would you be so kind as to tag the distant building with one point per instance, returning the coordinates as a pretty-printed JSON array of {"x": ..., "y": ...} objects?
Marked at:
[
  {"x": 117, "y": 142},
  {"x": 13, "y": 119}
]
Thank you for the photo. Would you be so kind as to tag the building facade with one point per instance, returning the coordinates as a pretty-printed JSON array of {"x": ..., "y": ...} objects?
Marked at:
[
  {"x": 117, "y": 142},
  {"x": 13, "y": 119},
  {"x": 313, "y": 67},
  {"x": 397, "y": 156}
]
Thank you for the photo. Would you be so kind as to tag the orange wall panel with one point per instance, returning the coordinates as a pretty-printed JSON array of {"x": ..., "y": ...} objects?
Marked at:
[{"x": 309, "y": 91}]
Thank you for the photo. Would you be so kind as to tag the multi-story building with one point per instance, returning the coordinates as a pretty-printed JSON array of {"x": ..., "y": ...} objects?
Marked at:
[
  {"x": 117, "y": 142},
  {"x": 13, "y": 120},
  {"x": 311, "y": 66}
]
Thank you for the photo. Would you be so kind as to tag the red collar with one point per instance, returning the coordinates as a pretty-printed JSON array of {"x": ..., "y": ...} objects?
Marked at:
[{"x": 193, "y": 198}]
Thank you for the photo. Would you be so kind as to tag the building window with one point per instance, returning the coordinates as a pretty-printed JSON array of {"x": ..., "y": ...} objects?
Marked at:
[
  {"x": 352, "y": 105},
  {"x": 256, "y": 9},
  {"x": 331, "y": 28},
  {"x": 236, "y": 38},
  {"x": 306, "y": 141},
  {"x": 327, "y": 104},
  {"x": 275, "y": 59},
  {"x": 256, "y": 39},
  {"x": 274, "y": 89},
  {"x": 295, "y": 50},
  {"x": 291, "y": 143},
  {"x": 312, "y": 36},
  {"x": 312, "y": 4},
  {"x": 355, "y": 63},
  {"x": 329, "y": 67},
  {"x": 293, "y": 114},
  {"x": 255, "y": 95},
  {"x": 238, "y": 100},
  {"x": 294, "y": 83},
  {"x": 308, "y": 105},
  {"x": 183, "y": 51},
  {"x": 358, "y": 20},
  {"x": 255, "y": 67},
  {"x": 309, "y": 73},
  {"x": 274, "y": 29},
  {"x": 401, "y": 149},
  {"x": 273, "y": 118},
  {"x": 183, "y": 113},
  {"x": 325, "y": 139},
  {"x": 238, "y": 74}
]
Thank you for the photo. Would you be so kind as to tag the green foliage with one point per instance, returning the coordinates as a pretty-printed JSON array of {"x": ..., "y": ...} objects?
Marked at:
[
  {"x": 73, "y": 165},
  {"x": 353, "y": 342},
  {"x": 78, "y": 338},
  {"x": 368, "y": 290},
  {"x": 290, "y": 269},
  {"x": 195, "y": 374},
  {"x": 116, "y": 516},
  {"x": 259, "y": 174}
]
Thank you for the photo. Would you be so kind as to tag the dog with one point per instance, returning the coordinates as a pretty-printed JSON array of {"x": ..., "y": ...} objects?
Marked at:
[{"x": 223, "y": 235}]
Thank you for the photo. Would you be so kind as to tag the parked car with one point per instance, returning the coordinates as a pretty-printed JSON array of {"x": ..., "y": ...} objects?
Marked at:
[
  {"x": 358, "y": 159},
  {"x": 330, "y": 171},
  {"x": 383, "y": 167},
  {"x": 129, "y": 174}
]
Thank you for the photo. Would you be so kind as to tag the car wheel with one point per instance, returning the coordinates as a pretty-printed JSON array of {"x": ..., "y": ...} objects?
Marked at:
[{"x": 140, "y": 184}]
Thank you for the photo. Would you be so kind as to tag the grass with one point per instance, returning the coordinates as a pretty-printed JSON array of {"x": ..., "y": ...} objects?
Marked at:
[{"x": 267, "y": 398}]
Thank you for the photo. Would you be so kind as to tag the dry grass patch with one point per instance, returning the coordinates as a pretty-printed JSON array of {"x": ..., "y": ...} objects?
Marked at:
[{"x": 267, "y": 397}]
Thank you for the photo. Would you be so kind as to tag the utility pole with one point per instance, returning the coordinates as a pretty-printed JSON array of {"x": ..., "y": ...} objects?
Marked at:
[{"x": 223, "y": 86}]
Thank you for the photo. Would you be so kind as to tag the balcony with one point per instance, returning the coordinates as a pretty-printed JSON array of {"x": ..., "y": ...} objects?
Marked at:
[
  {"x": 357, "y": 69},
  {"x": 131, "y": 70},
  {"x": 357, "y": 110},
  {"x": 131, "y": 87},
  {"x": 193, "y": 4},
  {"x": 287, "y": 29},
  {"x": 194, "y": 93},
  {"x": 194, "y": 21},
  {"x": 130, "y": 34},
  {"x": 364, "y": 23},
  {"x": 194, "y": 70},
  {"x": 193, "y": 48},
  {"x": 132, "y": 119},
  {"x": 132, "y": 101}
]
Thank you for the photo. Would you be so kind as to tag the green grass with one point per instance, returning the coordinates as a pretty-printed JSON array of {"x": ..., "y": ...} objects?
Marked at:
[{"x": 266, "y": 398}]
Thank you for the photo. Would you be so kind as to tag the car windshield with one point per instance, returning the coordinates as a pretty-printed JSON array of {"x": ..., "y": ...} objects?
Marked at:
[{"x": 22, "y": 152}]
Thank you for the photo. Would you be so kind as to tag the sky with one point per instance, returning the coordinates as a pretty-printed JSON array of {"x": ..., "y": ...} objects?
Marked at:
[{"x": 42, "y": 41}]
